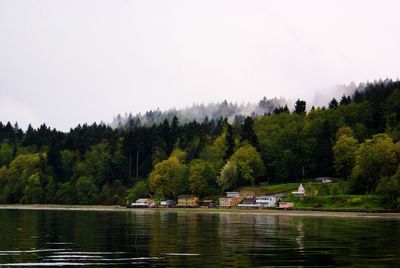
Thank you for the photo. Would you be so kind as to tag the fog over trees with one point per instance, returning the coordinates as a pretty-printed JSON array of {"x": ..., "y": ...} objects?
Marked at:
[{"x": 354, "y": 138}]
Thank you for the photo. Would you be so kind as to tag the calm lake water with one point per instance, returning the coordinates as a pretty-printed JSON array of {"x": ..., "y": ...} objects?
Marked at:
[{"x": 151, "y": 238}]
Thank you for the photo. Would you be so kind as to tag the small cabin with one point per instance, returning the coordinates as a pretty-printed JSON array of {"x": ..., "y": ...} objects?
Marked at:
[
  {"x": 188, "y": 201},
  {"x": 300, "y": 191},
  {"x": 266, "y": 201}
]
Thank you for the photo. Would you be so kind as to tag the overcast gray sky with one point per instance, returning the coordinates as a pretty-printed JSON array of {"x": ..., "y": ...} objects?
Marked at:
[{"x": 70, "y": 62}]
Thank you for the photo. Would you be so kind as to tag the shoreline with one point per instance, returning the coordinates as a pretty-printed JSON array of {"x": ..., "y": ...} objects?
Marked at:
[{"x": 272, "y": 212}]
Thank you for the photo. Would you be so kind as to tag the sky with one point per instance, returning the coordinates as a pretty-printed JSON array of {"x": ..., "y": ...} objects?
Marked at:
[{"x": 68, "y": 62}]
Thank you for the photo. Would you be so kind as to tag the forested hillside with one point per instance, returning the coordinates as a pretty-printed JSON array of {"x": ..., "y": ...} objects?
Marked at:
[
  {"x": 355, "y": 138},
  {"x": 198, "y": 112}
]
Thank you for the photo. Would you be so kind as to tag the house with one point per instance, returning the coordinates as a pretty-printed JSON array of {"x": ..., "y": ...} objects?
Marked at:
[
  {"x": 248, "y": 203},
  {"x": 232, "y": 194},
  {"x": 232, "y": 199},
  {"x": 300, "y": 191},
  {"x": 207, "y": 204},
  {"x": 285, "y": 205},
  {"x": 324, "y": 179},
  {"x": 142, "y": 203},
  {"x": 266, "y": 201},
  {"x": 167, "y": 203},
  {"x": 188, "y": 201}
]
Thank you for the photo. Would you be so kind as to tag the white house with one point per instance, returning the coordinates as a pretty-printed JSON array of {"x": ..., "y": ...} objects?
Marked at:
[
  {"x": 323, "y": 179},
  {"x": 266, "y": 201},
  {"x": 300, "y": 191},
  {"x": 232, "y": 194},
  {"x": 142, "y": 203}
]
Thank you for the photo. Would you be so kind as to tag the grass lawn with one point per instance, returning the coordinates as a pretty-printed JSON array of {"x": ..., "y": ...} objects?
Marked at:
[
  {"x": 271, "y": 189},
  {"x": 330, "y": 196},
  {"x": 342, "y": 202}
]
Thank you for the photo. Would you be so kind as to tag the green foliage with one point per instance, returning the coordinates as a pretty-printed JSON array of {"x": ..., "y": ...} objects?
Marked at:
[
  {"x": 166, "y": 177},
  {"x": 249, "y": 163},
  {"x": 345, "y": 154},
  {"x": 247, "y": 133},
  {"x": 33, "y": 192},
  {"x": 336, "y": 202},
  {"x": 86, "y": 191},
  {"x": 98, "y": 163},
  {"x": 282, "y": 145},
  {"x": 300, "y": 107},
  {"x": 244, "y": 166},
  {"x": 66, "y": 193},
  {"x": 138, "y": 190},
  {"x": 22, "y": 173},
  {"x": 376, "y": 158},
  {"x": 355, "y": 139},
  {"x": 6, "y": 153},
  {"x": 323, "y": 189},
  {"x": 201, "y": 174},
  {"x": 214, "y": 153},
  {"x": 389, "y": 189},
  {"x": 228, "y": 178},
  {"x": 68, "y": 160},
  {"x": 271, "y": 189},
  {"x": 114, "y": 193}
]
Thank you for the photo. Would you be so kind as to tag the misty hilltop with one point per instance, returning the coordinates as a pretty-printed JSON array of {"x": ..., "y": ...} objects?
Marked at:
[{"x": 234, "y": 112}]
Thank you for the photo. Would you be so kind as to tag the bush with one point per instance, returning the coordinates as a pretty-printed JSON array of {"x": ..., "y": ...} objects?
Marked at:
[
  {"x": 139, "y": 190},
  {"x": 389, "y": 189}
]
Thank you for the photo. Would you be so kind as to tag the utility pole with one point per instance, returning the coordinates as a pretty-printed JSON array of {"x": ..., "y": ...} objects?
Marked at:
[
  {"x": 130, "y": 164},
  {"x": 137, "y": 164}
]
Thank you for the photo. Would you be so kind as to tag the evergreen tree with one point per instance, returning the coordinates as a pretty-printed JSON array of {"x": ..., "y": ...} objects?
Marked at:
[
  {"x": 229, "y": 142},
  {"x": 247, "y": 132},
  {"x": 300, "y": 107},
  {"x": 333, "y": 104}
]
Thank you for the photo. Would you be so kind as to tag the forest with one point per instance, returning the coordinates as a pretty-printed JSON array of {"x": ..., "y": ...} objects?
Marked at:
[{"x": 354, "y": 139}]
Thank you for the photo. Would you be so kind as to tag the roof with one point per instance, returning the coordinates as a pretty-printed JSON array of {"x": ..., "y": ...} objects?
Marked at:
[
  {"x": 141, "y": 200},
  {"x": 249, "y": 201},
  {"x": 266, "y": 196},
  {"x": 323, "y": 178},
  {"x": 186, "y": 196}
]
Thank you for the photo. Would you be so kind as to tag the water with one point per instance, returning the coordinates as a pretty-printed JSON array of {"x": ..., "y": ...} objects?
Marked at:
[{"x": 160, "y": 239}]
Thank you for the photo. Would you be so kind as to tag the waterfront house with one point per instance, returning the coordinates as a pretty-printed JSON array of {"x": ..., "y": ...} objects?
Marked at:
[
  {"x": 300, "y": 191},
  {"x": 248, "y": 203},
  {"x": 188, "y": 201},
  {"x": 285, "y": 205},
  {"x": 207, "y": 204},
  {"x": 324, "y": 179},
  {"x": 266, "y": 201},
  {"x": 167, "y": 203},
  {"x": 232, "y": 194},
  {"x": 142, "y": 203},
  {"x": 232, "y": 199}
]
